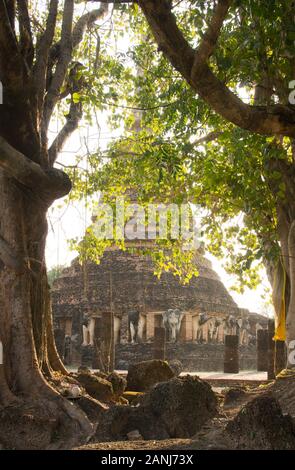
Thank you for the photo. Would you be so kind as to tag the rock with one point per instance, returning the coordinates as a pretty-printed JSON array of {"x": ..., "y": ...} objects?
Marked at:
[
  {"x": 233, "y": 394},
  {"x": 96, "y": 387},
  {"x": 113, "y": 425},
  {"x": 101, "y": 374},
  {"x": 71, "y": 379},
  {"x": 119, "y": 421},
  {"x": 93, "y": 409},
  {"x": 182, "y": 404},
  {"x": 118, "y": 382},
  {"x": 84, "y": 370},
  {"x": 143, "y": 375},
  {"x": 72, "y": 392},
  {"x": 134, "y": 436},
  {"x": 67, "y": 386},
  {"x": 261, "y": 425},
  {"x": 122, "y": 365},
  {"x": 134, "y": 397},
  {"x": 176, "y": 367},
  {"x": 177, "y": 408}
]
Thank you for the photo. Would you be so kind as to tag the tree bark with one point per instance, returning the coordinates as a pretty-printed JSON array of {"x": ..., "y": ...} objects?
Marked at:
[
  {"x": 28, "y": 186},
  {"x": 30, "y": 357},
  {"x": 25, "y": 319}
]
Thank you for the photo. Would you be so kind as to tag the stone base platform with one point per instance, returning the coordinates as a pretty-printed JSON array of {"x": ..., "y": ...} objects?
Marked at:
[{"x": 194, "y": 357}]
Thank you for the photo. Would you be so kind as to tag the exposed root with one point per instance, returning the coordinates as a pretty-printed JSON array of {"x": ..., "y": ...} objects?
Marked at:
[
  {"x": 42, "y": 423},
  {"x": 42, "y": 419}
]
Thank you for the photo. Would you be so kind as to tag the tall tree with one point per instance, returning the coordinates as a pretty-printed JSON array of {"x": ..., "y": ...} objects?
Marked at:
[
  {"x": 37, "y": 72},
  {"x": 230, "y": 44}
]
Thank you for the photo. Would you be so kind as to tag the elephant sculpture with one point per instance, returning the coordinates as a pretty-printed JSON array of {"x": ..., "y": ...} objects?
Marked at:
[
  {"x": 208, "y": 329},
  {"x": 88, "y": 327},
  {"x": 136, "y": 325},
  {"x": 117, "y": 329},
  {"x": 243, "y": 329},
  {"x": 214, "y": 329},
  {"x": 230, "y": 326},
  {"x": 211, "y": 329},
  {"x": 172, "y": 321},
  {"x": 202, "y": 320}
]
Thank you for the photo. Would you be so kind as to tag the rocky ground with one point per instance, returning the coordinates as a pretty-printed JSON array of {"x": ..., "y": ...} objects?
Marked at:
[
  {"x": 155, "y": 408},
  {"x": 214, "y": 434}
]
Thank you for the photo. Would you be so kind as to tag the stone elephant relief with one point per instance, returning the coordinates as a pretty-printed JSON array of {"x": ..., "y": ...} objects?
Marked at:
[
  {"x": 137, "y": 325},
  {"x": 244, "y": 331},
  {"x": 240, "y": 327},
  {"x": 88, "y": 327},
  {"x": 230, "y": 326},
  {"x": 117, "y": 329},
  {"x": 208, "y": 329},
  {"x": 172, "y": 322}
]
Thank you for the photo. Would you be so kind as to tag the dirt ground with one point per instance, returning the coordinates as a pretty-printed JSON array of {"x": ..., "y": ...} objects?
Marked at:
[{"x": 212, "y": 434}]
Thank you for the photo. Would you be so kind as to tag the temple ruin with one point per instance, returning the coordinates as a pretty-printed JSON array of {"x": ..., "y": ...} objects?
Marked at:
[{"x": 197, "y": 316}]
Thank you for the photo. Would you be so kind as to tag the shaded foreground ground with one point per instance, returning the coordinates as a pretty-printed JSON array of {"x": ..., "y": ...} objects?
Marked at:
[{"x": 212, "y": 435}]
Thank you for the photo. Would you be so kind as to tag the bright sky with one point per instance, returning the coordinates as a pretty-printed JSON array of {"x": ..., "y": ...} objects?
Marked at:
[{"x": 67, "y": 221}]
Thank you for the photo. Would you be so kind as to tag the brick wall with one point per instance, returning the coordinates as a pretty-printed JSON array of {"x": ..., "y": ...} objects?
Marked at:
[{"x": 194, "y": 357}]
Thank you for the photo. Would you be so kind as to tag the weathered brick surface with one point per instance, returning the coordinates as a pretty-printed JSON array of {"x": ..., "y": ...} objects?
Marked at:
[
  {"x": 127, "y": 282},
  {"x": 135, "y": 286},
  {"x": 194, "y": 357}
]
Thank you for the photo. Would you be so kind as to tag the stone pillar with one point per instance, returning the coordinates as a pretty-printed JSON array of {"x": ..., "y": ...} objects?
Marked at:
[
  {"x": 59, "y": 335},
  {"x": 186, "y": 329},
  {"x": 86, "y": 356},
  {"x": 280, "y": 356},
  {"x": 124, "y": 336},
  {"x": 231, "y": 354},
  {"x": 107, "y": 343},
  {"x": 160, "y": 343},
  {"x": 68, "y": 327},
  {"x": 97, "y": 360},
  {"x": 150, "y": 326},
  {"x": 262, "y": 350},
  {"x": 271, "y": 350},
  {"x": 68, "y": 351}
]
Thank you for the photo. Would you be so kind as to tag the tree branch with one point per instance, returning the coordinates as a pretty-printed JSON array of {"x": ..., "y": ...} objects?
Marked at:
[
  {"x": 86, "y": 21},
  {"x": 75, "y": 112},
  {"x": 72, "y": 122},
  {"x": 265, "y": 120},
  {"x": 11, "y": 67},
  {"x": 47, "y": 184},
  {"x": 26, "y": 40},
  {"x": 40, "y": 69},
  {"x": 78, "y": 31},
  {"x": 63, "y": 62},
  {"x": 208, "y": 138},
  {"x": 209, "y": 41}
]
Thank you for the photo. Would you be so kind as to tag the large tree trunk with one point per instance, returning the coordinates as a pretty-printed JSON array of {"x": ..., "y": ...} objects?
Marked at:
[
  {"x": 33, "y": 72},
  {"x": 25, "y": 316},
  {"x": 25, "y": 322}
]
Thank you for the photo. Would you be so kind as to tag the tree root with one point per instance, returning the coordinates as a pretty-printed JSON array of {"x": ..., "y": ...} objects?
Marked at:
[
  {"x": 42, "y": 419},
  {"x": 42, "y": 423}
]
